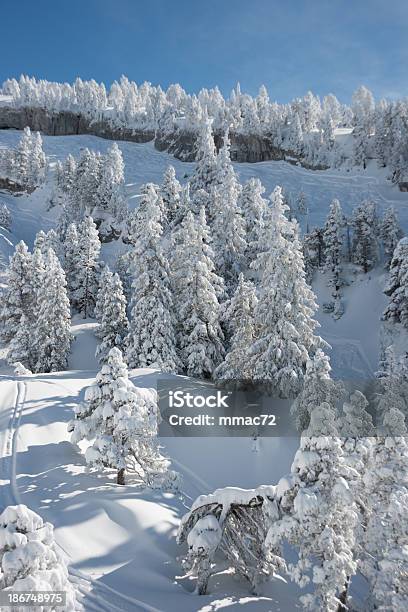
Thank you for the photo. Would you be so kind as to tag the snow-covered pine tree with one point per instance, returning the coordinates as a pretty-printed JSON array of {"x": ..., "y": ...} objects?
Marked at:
[
  {"x": 17, "y": 297},
  {"x": 294, "y": 138},
  {"x": 397, "y": 286},
  {"x": 333, "y": 237},
  {"x": 170, "y": 192},
  {"x": 111, "y": 204},
  {"x": 37, "y": 162},
  {"x": 197, "y": 287},
  {"x": 254, "y": 208},
  {"x": 5, "y": 217},
  {"x": 52, "y": 338},
  {"x": 53, "y": 242},
  {"x": 206, "y": 157},
  {"x": 23, "y": 158},
  {"x": 21, "y": 345},
  {"x": 70, "y": 248},
  {"x": 284, "y": 323},
  {"x": 111, "y": 312},
  {"x": 85, "y": 280},
  {"x": 240, "y": 319},
  {"x": 318, "y": 387},
  {"x": 365, "y": 243},
  {"x": 39, "y": 241},
  {"x": 122, "y": 424},
  {"x": 30, "y": 559},
  {"x": 228, "y": 225},
  {"x": 385, "y": 562},
  {"x": 319, "y": 515},
  {"x": 390, "y": 233},
  {"x": 313, "y": 251},
  {"x": 151, "y": 341}
]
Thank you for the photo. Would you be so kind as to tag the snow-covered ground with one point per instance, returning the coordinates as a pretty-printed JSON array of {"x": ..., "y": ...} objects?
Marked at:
[{"x": 120, "y": 540}]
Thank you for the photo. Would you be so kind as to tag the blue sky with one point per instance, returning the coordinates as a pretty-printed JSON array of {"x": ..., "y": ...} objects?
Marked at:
[{"x": 289, "y": 45}]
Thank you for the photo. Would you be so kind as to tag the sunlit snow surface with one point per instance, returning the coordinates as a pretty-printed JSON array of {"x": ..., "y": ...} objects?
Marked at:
[{"x": 120, "y": 537}]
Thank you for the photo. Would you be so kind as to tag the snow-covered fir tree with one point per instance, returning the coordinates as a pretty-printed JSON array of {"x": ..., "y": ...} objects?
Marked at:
[
  {"x": 170, "y": 192},
  {"x": 70, "y": 250},
  {"x": 385, "y": 562},
  {"x": 228, "y": 226},
  {"x": 206, "y": 157},
  {"x": 22, "y": 348},
  {"x": 21, "y": 345},
  {"x": 111, "y": 203},
  {"x": 285, "y": 338},
  {"x": 254, "y": 208},
  {"x": 111, "y": 312},
  {"x": 197, "y": 287},
  {"x": 17, "y": 297},
  {"x": 390, "y": 233},
  {"x": 30, "y": 559},
  {"x": 397, "y": 285},
  {"x": 365, "y": 243},
  {"x": 240, "y": 320},
  {"x": 52, "y": 338},
  {"x": 151, "y": 341},
  {"x": 318, "y": 387},
  {"x": 333, "y": 237},
  {"x": 122, "y": 424},
  {"x": 85, "y": 280},
  {"x": 313, "y": 251},
  {"x": 320, "y": 515},
  {"x": 5, "y": 217}
]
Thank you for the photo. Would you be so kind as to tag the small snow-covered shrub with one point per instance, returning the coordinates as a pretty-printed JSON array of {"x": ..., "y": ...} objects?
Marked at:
[
  {"x": 20, "y": 370},
  {"x": 30, "y": 560}
]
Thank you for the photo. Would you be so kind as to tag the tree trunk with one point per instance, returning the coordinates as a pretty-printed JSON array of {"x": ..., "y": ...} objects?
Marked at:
[
  {"x": 121, "y": 477},
  {"x": 343, "y": 597}
]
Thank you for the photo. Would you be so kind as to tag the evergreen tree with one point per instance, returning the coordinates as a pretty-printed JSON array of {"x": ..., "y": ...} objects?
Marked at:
[
  {"x": 37, "y": 162},
  {"x": 52, "y": 338},
  {"x": 397, "y": 286},
  {"x": 254, "y": 209},
  {"x": 320, "y": 515},
  {"x": 318, "y": 387},
  {"x": 240, "y": 317},
  {"x": 228, "y": 226},
  {"x": 17, "y": 297},
  {"x": 284, "y": 321},
  {"x": 365, "y": 246},
  {"x": 170, "y": 193},
  {"x": 385, "y": 563},
  {"x": 313, "y": 251},
  {"x": 23, "y": 158},
  {"x": 206, "y": 157},
  {"x": 333, "y": 237},
  {"x": 121, "y": 422},
  {"x": 5, "y": 217},
  {"x": 85, "y": 280},
  {"x": 21, "y": 345},
  {"x": 390, "y": 233},
  {"x": 70, "y": 248},
  {"x": 111, "y": 312},
  {"x": 197, "y": 288},
  {"x": 30, "y": 559},
  {"x": 151, "y": 341}
]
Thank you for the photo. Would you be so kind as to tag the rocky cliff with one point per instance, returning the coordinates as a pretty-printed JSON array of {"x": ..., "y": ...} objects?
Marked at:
[{"x": 181, "y": 143}]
